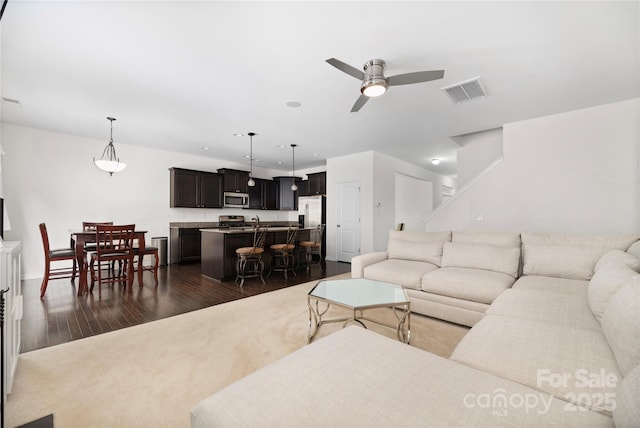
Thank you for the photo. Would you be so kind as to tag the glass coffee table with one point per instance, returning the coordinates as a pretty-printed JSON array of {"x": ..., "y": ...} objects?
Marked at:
[{"x": 358, "y": 295}]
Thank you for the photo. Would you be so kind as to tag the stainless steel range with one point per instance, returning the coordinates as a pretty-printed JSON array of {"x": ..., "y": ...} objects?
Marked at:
[{"x": 232, "y": 221}]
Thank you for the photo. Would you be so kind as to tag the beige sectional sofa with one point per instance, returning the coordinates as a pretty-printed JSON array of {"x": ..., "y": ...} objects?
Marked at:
[
  {"x": 556, "y": 345},
  {"x": 455, "y": 276}
]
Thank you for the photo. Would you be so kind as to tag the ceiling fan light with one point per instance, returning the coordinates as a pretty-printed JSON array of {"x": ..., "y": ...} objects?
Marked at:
[{"x": 374, "y": 88}]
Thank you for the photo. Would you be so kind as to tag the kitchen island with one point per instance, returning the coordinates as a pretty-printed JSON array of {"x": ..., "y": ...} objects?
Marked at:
[{"x": 218, "y": 248}]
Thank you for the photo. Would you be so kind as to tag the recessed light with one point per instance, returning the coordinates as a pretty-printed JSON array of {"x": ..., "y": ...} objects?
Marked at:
[
  {"x": 279, "y": 162},
  {"x": 293, "y": 104},
  {"x": 315, "y": 155},
  {"x": 205, "y": 148},
  {"x": 282, "y": 146},
  {"x": 435, "y": 161},
  {"x": 238, "y": 135}
]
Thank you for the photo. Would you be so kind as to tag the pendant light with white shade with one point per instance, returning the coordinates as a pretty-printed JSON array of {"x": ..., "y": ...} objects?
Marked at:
[{"x": 109, "y": 161}]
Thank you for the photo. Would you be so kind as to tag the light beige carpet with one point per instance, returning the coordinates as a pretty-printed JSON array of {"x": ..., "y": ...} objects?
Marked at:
[{"x": 151, "y": 375}]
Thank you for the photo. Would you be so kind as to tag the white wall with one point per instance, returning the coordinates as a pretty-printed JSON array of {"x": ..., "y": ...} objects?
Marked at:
[
  {"x": 376, "y": 173},
  {"x": 385, "y": 169},
  {"x": 575, "y": 172},
  {"x": 50, "y": 177},
  {"x": 414, "y": 201},
  {"x": 478, "y": 151}
]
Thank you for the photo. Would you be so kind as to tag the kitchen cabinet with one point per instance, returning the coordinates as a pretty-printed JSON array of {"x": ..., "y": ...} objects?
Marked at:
[
  {"x": 264, "y": 195},
  {"x": 235, "y": 180},
  {"x": 303, "y": 188},
  {"x": 317, "y": 183},
  {"x": 185, "y": 244},
  {"x": 195, "y": 189},
  {"x": 287, "y": 198}
]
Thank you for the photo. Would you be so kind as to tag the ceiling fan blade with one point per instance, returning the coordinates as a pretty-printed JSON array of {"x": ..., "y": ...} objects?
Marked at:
[
  {"x": 351, "y": 71},
  {"x": 417, "y": 77},
  {"x": 362, "y": 100}
]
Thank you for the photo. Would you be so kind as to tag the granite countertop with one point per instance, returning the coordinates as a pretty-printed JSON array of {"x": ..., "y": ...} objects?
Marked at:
[
  {"x": 214, "y": 224},
  {"x": 250, "y": 229},
  {"x": 193, "y": 224}
]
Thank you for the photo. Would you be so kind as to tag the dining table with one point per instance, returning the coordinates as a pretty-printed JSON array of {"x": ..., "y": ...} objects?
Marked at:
[{"x": 79, "y": 238}]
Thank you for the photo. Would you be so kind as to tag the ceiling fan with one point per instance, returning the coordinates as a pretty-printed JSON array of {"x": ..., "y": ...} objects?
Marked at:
[{"x": 374, "y": 83}]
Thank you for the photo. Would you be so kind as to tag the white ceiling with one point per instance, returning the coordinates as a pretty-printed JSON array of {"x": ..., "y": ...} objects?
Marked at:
[{"x": 185, "y": 75}]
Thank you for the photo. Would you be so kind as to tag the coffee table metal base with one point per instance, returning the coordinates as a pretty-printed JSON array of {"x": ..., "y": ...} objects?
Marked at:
[{"x": 402, "y": 312}]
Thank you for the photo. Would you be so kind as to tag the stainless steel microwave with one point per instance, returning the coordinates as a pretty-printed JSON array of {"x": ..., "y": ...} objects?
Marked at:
[{"x": 236, "y": 200}]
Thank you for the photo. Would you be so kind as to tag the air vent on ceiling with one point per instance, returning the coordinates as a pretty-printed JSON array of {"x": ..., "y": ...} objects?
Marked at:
[
  {"x": 10, "y": 100},
  {"x": 465, "y": 91}
]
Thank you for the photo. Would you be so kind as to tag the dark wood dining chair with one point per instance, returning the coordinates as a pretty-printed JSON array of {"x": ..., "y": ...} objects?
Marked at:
[
  {"x": 55, "y": 255},
  {"x": 138, "y": 258},
  {"x": 114, "y": 244},
  {"x": 90, "y": 226}
]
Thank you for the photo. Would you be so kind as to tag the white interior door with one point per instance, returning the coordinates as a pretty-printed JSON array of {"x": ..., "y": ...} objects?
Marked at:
[{"x": 348, "y": 220}]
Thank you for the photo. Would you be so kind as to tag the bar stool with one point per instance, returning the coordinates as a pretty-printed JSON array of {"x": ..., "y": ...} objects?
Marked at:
[
  {"x": 249, "y": 262},
  {"x": 308, "y": 249},
  {"x": 282, "y": 258}
]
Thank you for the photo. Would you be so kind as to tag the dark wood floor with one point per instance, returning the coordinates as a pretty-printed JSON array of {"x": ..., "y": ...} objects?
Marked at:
[{"x": 62, "y": 317}]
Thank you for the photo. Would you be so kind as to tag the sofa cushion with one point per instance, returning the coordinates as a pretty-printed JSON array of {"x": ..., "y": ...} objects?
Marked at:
[
  {"x": 478, "y": 256},
  {"x": 604, "y": 285},
  {"x": 568, "y": 256},
  {"x": 562, "y": 261},
  {"x": 612, "y": 242},
  {"x": 469, "y": 284},
  {"x": 419, "y": 246},
  {"x": 406, "y": 273},
  {"x": 627, "y": 411},
  {"x": 358, "y": 263},
  {"x": 559, "y": 309},
  {"x": 502, "y": 239},
  {"x": 549, "y": 284},
  {"x": 617, "y": 257},
  {"x": 634, "y": 249},
  {"x": 357, "y": 378},
  {"x": 621, "y": 325},
  {"x": 552, "y": 358}
]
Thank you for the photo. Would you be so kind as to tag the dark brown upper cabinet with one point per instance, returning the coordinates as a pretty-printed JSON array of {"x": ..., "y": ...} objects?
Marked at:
[
  {"x": 195, "y": 189},
  {"x": 235, "y": 180},
  {"x": 264, "y": 195},
  {"x": 317, "y": 183},
  {"x": 287, "y": 198}
]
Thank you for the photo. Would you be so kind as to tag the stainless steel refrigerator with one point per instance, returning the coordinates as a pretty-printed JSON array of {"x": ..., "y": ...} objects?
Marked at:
[{"x": 312, "y": 211}]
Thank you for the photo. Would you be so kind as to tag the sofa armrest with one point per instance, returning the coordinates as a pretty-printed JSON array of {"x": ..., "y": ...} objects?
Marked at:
[{"x": 358, "y": 263}]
